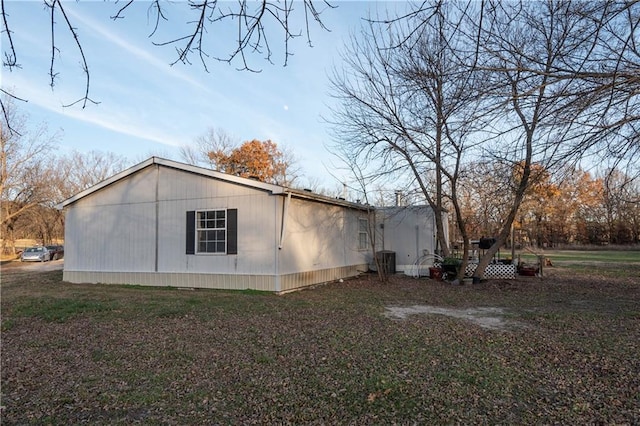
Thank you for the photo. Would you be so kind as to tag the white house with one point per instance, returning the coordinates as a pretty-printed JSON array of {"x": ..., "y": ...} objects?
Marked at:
[{"x": 164, "y": 223}]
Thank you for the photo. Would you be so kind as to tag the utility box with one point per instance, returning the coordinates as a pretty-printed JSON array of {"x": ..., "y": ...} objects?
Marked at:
[{"x": 387, "y": 261}]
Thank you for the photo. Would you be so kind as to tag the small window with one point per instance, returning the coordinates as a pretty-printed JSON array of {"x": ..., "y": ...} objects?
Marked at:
[
  {"x": 363, "y": 234},
  {"x": 211, "y": 231}
]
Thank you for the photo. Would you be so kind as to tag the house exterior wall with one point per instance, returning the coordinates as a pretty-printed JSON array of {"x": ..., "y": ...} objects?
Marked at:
[
  {"x": 134, "y": 232},
  {"x": 113, "y": 230},
  {"x": 258, "y": 220},
  {"x": 409, "y": 231},
  {"x": 320, "y": 240}
]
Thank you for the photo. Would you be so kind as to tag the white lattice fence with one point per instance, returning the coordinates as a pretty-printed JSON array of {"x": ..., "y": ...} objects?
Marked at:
[{"x": 494, "y": 270}]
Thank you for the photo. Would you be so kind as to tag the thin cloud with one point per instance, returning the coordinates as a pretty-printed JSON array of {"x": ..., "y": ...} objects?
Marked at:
[
  {"x": 139, "y": 53},
  {"x": 102, "y": 115}
]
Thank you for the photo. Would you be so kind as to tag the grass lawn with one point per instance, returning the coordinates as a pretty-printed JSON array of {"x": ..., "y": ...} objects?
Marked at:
[
  {"x": 563, "y": 349},
  {"x": 608, "y": 263},
  {"x": 590, "y": 256}
]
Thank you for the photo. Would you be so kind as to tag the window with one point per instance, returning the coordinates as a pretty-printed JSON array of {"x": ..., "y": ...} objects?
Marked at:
[
  {"x": 212, "y": 231},
  {"x": 363, "y": 234}
]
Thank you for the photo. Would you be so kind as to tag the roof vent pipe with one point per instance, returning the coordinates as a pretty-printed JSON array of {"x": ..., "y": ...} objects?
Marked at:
[{"x": 398, "y": 197}]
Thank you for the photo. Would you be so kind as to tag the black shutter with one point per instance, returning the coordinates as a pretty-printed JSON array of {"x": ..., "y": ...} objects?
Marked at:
[
  {"x": 191, "y": 232},
  {"x": 232, "y": 231}
]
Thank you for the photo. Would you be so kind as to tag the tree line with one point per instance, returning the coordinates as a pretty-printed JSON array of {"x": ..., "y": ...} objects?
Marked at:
[
  {"x": 571, "y": 207},
  {"x": 34, "y": 177}
]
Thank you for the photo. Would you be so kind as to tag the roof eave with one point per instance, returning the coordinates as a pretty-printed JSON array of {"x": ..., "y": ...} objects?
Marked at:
[{"x": 271, "y": 188}]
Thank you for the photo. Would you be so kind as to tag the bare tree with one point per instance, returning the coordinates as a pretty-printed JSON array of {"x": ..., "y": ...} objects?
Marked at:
[
  {"x": 622, "y": 211},
  {"x": 255, "y": 24},
  {"x": 25, "y": 172},
  {"x": 360, "y": 184},
  {"x": 78, "y": 171},
  {"x": 540, "y": 74},
  {"x": 550, "y": 63},
  {"x": 213, "y": 140},
  {"x": 408, "y": 104},
  {"x": 71, "y": 174}
]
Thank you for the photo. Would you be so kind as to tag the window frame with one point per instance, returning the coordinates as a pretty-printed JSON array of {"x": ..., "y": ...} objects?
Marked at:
[
  {"x": 197, "y": 230},
  {"x": 364, "y": 233}
]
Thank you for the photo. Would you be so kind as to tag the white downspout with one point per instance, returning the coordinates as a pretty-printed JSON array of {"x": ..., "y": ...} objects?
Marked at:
[
  {"x": 283, "y": 227},
  {"x": 157, "y": 224},
  {"x": 283, "y": 223}
]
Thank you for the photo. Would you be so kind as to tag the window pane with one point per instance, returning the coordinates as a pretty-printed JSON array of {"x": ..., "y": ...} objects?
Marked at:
[
  {"x": 364, "y": 241},
  {"x": 211, "y": 231}
]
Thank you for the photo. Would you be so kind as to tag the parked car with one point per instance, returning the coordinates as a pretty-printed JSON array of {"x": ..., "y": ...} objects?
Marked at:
[
  {"x": 55, "y": 252},
  {"x": 35, "y": 254}
]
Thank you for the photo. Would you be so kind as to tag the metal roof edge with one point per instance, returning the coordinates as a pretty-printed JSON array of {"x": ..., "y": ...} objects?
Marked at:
[
  {"x": 307, "y": 195},
  {"x": 121, "y": 175},
  {"x": 275, "y": 189}
]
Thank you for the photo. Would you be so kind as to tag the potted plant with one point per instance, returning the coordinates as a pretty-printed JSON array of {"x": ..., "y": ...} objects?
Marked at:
[
  {"x": 451, "y": 265},
  {"x": 527, "y": 269},
  {"x": 435, "y": 273}
]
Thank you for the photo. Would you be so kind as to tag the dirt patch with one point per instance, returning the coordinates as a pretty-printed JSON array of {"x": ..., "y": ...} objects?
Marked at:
[
  {"x": 489, "y": 318},
  {"x": 17, "y": 266}
]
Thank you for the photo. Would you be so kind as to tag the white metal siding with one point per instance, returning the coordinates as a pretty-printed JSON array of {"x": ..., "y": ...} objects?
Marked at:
[
  {"x": 303, "y": 279},
  {"x": 408, "y": 231},
  {"x": 215, "y": 281},
  {"x": 320, "y": 236},
  {"x": 181, "y": 192},
  {"x": 112, "y": 230},
  {"x": 121, "y": 235}
]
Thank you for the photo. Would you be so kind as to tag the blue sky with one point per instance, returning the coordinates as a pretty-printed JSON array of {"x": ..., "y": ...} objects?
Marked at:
[{"x": 148, "y": 107}]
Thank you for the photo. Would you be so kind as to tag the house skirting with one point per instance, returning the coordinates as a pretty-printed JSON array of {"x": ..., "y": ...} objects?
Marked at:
[{"x": 273, "y": 283}]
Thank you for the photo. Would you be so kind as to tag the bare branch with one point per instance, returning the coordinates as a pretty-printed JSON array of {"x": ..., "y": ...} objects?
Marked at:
[
  {"x": 118, "y": 15},
  {"x": 195, "y": 37},
  {"x": 155, "y": 5},
  {"x": 253, "y": 37},
  {"x": 6, "y": 110},
  {"x": 10, "y": 59},
  {"x": 85, "y": 68},
  {"x": 251, "y": 27}
]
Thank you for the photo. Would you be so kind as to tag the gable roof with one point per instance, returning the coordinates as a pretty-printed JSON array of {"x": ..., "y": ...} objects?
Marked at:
[{"x": 251, "y": 183}]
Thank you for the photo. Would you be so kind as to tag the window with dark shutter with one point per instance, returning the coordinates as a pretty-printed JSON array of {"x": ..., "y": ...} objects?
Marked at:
[{"x": 212, "y": 232}]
